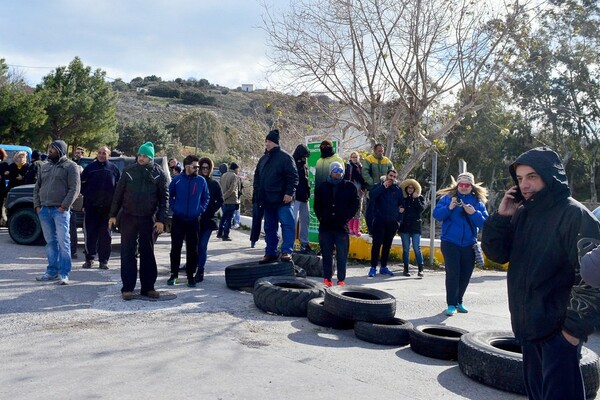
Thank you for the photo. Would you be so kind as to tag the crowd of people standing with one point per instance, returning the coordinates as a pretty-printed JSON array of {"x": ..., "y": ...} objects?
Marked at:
[{"x": 536, "y": 229}]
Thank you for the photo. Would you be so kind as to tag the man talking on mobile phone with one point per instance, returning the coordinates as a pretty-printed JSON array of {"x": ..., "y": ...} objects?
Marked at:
[{"x": 552, "y": 310}]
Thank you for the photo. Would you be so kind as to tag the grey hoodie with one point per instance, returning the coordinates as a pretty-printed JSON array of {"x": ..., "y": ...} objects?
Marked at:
[{"x": 58, "y": 183}]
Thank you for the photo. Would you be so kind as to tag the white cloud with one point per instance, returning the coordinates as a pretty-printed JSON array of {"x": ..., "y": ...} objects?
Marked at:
[{"x": 216, "y": 40}]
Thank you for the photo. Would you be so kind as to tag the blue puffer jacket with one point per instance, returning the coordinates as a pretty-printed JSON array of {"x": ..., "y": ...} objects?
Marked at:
[
  {"x": 188, "y": 196},
  {"x": 455, "y": 228}
]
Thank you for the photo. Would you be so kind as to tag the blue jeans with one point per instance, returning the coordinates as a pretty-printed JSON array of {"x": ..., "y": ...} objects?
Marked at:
[
  {"x": 551, "y": 369},
  {"x": 203, "y": 238},
  {"x": 225, "y": 225},
  {"x": 301, "y": 211},
  {"x": 274, "y": 216},
  {"x": 236, "y": 217},
  {"x": 55, "y": 226},
  {"x": 329, "y": 240},
  {"x": 460, "y": 262},
  {"x": 416, "y": 242}
]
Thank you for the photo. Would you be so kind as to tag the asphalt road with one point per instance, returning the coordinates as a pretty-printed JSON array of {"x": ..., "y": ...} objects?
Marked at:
[{"x": 82, "y": 341}]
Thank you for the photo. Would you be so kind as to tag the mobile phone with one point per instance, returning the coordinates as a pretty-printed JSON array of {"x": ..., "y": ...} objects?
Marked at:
[{"x": 518, "y": 196}]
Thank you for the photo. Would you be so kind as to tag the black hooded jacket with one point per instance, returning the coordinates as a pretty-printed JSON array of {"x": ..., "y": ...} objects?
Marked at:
[
  {"x": 303, "y": 188},
  {"x": 274, "y": 177},
  {"x": 545, "y": 291}
]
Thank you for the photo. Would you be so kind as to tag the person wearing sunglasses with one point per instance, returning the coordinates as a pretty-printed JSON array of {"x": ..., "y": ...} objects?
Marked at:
[
  {"x": 336, "y": 202},
  {"x": 188, "y": 198},
  {"x": 462, "y": 212}
]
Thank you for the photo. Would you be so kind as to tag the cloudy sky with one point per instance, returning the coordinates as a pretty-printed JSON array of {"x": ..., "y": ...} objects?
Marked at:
[{"x": 219, "y": 40}]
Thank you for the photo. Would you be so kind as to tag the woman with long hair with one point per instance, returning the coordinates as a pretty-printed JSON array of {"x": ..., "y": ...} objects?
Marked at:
[
  {"x": 410, "y": 228},
  {"x": 17, "y": 170},
  {"x": 462, "y": 212}
]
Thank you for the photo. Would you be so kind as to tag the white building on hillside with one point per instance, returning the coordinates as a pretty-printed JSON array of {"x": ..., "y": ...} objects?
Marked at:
[{"x": 247, "y": 87}]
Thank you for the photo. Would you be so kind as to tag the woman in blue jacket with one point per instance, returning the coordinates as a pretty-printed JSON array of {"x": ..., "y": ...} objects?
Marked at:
[{"x": 462, "y": 213}]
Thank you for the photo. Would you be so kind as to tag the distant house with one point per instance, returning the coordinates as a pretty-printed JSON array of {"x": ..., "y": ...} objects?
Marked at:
[{"x": 247, "y": 87}]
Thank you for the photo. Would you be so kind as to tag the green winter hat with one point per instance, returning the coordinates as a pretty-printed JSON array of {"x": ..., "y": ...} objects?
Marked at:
[{"x": 147, "y": 149}]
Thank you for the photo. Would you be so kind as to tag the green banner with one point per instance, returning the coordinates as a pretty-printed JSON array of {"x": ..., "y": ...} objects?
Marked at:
[{"x": 315, "y": 154}]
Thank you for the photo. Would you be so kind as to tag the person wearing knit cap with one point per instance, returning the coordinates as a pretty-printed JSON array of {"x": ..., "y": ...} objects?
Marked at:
[
  {"x": 275, "y": 181},
  {"x": 386, "y": 198},
  {"x": 410, "y": 228},
  {"x": 538, "y": 229},
  {"x": 461, "y": 210},
  {"x": 141, "y": 196},
  {"x": 328, "y": 155},
  {"x": 55, "y": 190},
  {"x": 336, "y": 202},
  {"x": 301, "y": 207},
  {"x": 230, "y": 185}
]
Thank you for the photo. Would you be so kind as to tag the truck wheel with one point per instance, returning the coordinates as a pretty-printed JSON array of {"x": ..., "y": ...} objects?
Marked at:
[
  {"x": 24, "y": 227},
  {"x": 359, "y": 303},
  {"x": 285, "y": 295},
  {"x": 494, "y": 358},
  {"x": 436, "y": 341}
]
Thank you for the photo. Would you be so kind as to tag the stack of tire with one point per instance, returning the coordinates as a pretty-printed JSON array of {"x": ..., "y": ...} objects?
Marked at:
[
  {"x": 244, "y": 275},
  {"x": 494, "y": 358},
  {"x": 369, "y": 311}
]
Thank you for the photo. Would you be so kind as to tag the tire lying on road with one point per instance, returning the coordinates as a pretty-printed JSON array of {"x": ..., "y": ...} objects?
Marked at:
[
  {"x": 318, "y": 315},
  {"x": 436, "y": 341},
  {"x": 24, "y": 227},
  {"x": 284, "y": 295},
  {"x": 395, "y": 332},
  {"x": 245, "y": 274},
  {"x": 312, "y": 264},
  {"x": 360, "y": 303},
  {"x": 494, "y": 358}
]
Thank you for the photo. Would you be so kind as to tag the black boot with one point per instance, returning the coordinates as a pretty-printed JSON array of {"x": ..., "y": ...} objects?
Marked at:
[
  {"x": 420, "y": 274},
  {"x": 406, "y": 270}
]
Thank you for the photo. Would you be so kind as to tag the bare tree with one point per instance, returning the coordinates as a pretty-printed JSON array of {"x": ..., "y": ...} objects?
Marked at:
[{"x": 394, "y": 64}]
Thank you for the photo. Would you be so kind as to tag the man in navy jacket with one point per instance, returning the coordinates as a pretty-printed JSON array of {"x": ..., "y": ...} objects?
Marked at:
[
  {"x": 188, "y": 198},
  {"x": 98, "y": 182}
]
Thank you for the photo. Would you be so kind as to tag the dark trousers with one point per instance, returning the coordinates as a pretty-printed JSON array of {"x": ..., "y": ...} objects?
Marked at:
[
  {"x": 137, "y": 231},
  {"x": 459, "y": 262},
  {"x": 203, "y": 238},
  {"x": 369, "y": 216},
  {"x": 257, "y": 216},
  {"x": 73, "y": 233},
  {"x": 98, "y": 237},
  {"x": 225, "y": 224},
  {"x": 551, "y": 369},
  {"x": 328, "y": 241},
  {"x": 187, "y": 230},
  {"x": 383, "y": 234}
]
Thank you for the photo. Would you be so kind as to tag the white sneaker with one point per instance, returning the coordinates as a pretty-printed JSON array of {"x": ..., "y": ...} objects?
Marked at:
[
  {"x": 64, "y": 280},
  {"x": 236, "y": 226}
]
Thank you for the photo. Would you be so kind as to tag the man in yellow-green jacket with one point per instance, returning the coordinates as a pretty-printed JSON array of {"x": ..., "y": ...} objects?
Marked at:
[{"x": 375, "y": 166}]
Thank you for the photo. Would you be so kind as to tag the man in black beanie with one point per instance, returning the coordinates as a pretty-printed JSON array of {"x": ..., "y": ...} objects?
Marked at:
[
  {"x": 275, "y": 181},
  {"x": 53, "y": 194}
]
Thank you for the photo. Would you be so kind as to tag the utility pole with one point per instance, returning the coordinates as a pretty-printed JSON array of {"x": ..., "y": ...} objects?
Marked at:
[
  {"x": 197, "y": 130},
  {"x": 433, "y": 194}
]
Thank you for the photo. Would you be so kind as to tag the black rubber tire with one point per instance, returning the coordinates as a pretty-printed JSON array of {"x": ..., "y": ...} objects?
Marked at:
[
  {"x": 284, "y": 295},
  {"x": 360, "y": 303},
  {"x": 436, "y": 341},
  {"x": 318, "y": 315},
  {"x": 395, "y": 332},
  {"x": 24, "y": 227},
  {"x": 312, "y": 264},
  {"x": 494, "y": 358},
  {"x": 299, "y": 272},
  {"x": 245, "y": 274}
]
